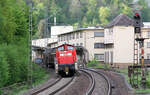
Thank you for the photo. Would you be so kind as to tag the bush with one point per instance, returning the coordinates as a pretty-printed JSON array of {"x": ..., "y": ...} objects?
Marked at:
[
  {"x": 38, "y": 73},
  {"x": 14, "y": 62},
  {"x": 4, "y": 73},
  {"x": 93, "y": 63}
]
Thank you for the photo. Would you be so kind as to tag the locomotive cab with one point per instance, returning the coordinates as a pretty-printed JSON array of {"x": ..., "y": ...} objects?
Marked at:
[{"x": 66, "y": 60}]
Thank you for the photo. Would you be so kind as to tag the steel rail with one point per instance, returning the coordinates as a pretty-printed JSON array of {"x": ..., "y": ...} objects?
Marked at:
[
  {"x": 56, "y": 91},
  {"x": 91, "y": 88},
  {"x": 105, "y": 77},
  {"x": 41, "y": 90}
]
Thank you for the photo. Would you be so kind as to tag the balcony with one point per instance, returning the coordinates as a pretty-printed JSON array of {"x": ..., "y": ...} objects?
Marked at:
[{"x": 108, "y": 37}]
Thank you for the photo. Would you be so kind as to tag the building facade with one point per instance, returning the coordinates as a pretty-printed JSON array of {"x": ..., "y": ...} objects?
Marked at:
[
  {"x": 112, "y": 45},
  {"x": 119, "y": 42},
  {"x": 91, "y": 39}
]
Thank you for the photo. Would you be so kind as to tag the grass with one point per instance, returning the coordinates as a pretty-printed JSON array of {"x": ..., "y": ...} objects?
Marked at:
[
  {"x": 138, "y": 90},
  {"x": 96, "y": 64},
  {"x": 39, "y": 76}
]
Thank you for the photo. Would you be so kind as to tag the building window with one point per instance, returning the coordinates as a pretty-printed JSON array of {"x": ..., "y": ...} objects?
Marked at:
[
  {"x": 77, "y": 44},
  {"x": 81, "y": 34},
  {"x": 148, "y": 56},
  {"x": 69, "y": 36},
  {"x": 98, "y": 34},
  {"x": 98, "y": 45},
  {"x": 61, "y": 38},
  {"x": 148, "y": 34},
  {"x": 148, "y": 44},
  {"x": 77, "y": 35},
  {"x": 65, "y": 37},
  {"x": 99, "y": 57},
  {"x": 73, "y": 35},
  {"x": 81, "y": 44}
]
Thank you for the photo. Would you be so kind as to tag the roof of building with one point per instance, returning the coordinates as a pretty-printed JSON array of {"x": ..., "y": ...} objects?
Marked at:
[
  {"x": 121, "y": 20},
  {"x": 81, "y": 29}
]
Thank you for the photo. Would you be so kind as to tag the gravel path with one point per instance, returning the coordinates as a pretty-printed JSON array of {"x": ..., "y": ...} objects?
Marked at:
[
  {"x": 52, "y": 78},
  {"x": 60, "y": 84},
  {"x": 78, "y": 87},
  {"x": 101, "y": 86},
  {"x": 120, "y": 87}
]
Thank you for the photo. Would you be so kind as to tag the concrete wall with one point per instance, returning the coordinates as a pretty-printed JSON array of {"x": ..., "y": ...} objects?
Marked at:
[
  {"x": 123, "y": 44},
  {"x": 108, "y": 39},
  {"x": 145, "y": 35},
  {"x": 89, "y": 43}
]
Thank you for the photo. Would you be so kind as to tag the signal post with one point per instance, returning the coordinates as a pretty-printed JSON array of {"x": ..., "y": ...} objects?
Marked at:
[
  {"x": 133, "y": 71},
  {"x": 137, "y": 25}
]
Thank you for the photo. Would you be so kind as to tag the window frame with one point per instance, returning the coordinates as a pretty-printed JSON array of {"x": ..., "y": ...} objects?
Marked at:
[
  {"x": 148, "y": 44},
  {"x": 81, "y": 34},
  {"x": 99, "y": 46},
  {"x": 98, "y": 34},
  {"x": 148, "y": 54},
  {"x": 100, "y": 56},
  {"x": 148, "y": 34}
]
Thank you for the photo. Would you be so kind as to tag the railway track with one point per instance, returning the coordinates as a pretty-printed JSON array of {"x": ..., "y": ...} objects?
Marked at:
[
  {"x": 54, "y": 88},
  {"x": 98, "y": 87}
]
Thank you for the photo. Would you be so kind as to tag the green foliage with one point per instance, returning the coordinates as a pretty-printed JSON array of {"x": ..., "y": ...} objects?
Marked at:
[
  {"x": 14, "y": 26},
  {"x": 14, "y": 17},
  {"x": 4, "y": 73},
  {"x": 104, "y": 13},
  {"x": 93, "y": 63},
  {"x": 38, "y": 73},
  {"x": 88, "y": 12},
  {"x": 15, "y": 61}
]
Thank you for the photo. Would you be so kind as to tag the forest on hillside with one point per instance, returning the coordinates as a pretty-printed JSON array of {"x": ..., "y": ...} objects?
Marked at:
[
  {"x": 89, "y": 12},
  {"x": 14, "y": 44}
]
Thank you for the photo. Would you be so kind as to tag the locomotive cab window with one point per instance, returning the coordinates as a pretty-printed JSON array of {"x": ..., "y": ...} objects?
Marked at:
[
  {"x": 69, "y": 47},
  {"x": 61, "y": 48}
]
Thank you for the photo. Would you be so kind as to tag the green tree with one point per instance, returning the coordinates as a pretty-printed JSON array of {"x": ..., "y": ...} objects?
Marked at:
[
  {"x": 144, "y": 10},
  {"x": 104, "y": 13},
  {"x": 125, "y": 9},
  {"x": 4, "y": 72},
  {"x": 92, "y": 10}
]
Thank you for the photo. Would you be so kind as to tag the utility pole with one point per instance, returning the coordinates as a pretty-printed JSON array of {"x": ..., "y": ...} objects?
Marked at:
[
  {"x": 30, "y": 44},
  {"x": 54, "y": 14}
]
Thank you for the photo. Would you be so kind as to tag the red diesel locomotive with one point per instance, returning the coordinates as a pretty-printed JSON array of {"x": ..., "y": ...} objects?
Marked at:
[{"x": 66, "y": 60}]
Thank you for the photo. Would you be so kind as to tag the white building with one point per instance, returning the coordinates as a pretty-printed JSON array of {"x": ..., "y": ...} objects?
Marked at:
[
  {"x": 146, "y": 34},
  {"x": 119, "y": 41},
  {"x": 90, "y": 38}
]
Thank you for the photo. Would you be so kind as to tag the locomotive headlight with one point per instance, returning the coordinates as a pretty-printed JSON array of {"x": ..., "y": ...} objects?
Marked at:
[
  {"x": 76, "y": 66},
  {"x": 56, "y": 68},
  {"x": 69, "y": 54},
  {"x": 61, "y": 54}
]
